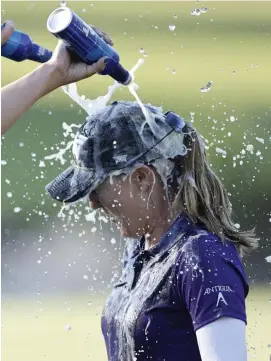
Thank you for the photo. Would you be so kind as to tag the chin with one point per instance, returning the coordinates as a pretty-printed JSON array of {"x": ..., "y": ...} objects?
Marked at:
[{"x": 126, "y": 232}]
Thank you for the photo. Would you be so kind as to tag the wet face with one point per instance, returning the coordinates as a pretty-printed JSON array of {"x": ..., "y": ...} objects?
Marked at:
[{"x": 136, "y": 202}]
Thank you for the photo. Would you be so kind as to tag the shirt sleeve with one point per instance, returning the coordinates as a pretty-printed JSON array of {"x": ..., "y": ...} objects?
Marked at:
[{"x": 211, "y": 280}]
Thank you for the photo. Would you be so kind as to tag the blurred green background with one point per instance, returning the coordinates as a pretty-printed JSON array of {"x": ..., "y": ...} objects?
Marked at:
[{"x": 230, "y": 45}]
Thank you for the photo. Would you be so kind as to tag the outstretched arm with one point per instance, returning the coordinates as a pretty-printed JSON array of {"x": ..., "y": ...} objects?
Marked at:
[{"x": 20, "y": 95}]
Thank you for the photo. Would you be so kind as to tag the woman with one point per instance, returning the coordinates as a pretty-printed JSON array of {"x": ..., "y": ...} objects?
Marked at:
[
  {"x": 59, "y": 70},
  {"x": 181, "y": 296}
]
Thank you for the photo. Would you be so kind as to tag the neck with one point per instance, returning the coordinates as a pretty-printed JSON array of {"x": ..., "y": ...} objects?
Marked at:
[{"x": 152, "y": 238}]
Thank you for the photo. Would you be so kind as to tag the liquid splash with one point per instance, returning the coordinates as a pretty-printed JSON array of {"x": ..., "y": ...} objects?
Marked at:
[{"x": 92, "y": 106}]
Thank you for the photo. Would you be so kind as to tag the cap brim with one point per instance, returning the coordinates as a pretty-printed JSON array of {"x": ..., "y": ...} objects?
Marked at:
[{"x": 73, "y": 184}]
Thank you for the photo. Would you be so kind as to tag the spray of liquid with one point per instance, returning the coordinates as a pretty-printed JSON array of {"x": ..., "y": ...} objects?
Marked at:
[{"x": 91, "y": 106}]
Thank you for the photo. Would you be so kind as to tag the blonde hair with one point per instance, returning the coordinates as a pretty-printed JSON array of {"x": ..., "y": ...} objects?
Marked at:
[{"x": 201, "y": 194}]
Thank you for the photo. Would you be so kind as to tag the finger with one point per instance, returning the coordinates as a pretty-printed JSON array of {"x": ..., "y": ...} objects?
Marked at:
[
  {"x": 96, "y": 67},
  {"x": 103, "y": 35},
  {"x": 7, "y": 31}
]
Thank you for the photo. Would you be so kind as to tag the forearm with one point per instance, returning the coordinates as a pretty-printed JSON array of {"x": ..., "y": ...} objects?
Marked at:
[{"x": 20, "y": 95}]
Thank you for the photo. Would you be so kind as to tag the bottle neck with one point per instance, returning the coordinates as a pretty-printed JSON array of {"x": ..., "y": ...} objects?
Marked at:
[
  {"x": 121, "y": 75},
  {"x": 39, "y": 54}
]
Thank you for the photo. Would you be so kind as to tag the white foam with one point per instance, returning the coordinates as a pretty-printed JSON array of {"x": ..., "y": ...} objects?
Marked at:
[{"x": 92, "y": 106}]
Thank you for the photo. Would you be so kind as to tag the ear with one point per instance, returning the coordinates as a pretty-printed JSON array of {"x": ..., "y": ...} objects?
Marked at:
[{"x": 143, "y": 178}]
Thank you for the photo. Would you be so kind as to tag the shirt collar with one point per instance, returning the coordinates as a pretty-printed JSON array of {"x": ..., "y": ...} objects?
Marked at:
[{"x": 181, "y": 225}]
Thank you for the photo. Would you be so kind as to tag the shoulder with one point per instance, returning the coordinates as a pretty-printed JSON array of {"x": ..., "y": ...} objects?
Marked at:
[
  {"x": 206, "y": 256},
  {"x": 205, "y": 246}
]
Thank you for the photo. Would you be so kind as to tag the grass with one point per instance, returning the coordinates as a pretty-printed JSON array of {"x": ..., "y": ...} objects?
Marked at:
[{"x": 34, "y": 329}]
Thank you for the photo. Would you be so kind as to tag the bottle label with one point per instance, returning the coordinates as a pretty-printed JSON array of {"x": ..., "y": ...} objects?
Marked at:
[
  {"x": 41, "y": 51},
  {"x": 86, "y": 31}
]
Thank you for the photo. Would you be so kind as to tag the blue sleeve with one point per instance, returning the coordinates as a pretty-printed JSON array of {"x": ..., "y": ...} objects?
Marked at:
[{"x": 211, "y": 280}]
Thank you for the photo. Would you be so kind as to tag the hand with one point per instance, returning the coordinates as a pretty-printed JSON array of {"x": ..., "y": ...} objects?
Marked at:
[
  {"x": 7, "y": 31},
  {"x": 69, "y": 70}
]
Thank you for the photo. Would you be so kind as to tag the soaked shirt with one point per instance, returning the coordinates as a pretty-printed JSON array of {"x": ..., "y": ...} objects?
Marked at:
[{"x": 188, "y": 280}]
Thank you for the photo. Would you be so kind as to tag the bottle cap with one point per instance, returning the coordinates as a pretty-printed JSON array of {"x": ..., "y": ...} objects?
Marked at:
[{"x": 59, "y": 20}]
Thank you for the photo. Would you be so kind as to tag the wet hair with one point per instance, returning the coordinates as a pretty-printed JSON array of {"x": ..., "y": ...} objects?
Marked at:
[{"x": 200, "y": 193}]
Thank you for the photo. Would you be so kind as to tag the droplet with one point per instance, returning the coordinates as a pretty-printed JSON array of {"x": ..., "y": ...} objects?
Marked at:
[
  {"x": 196, "y": 12},
  {"x": 17, "y": 209},
  {"x": 113, "y": 241},
  {"x": 141, "y": 51},
  {"x": 203, "y": 10},
  {"x": 207, "y": 87},
  {"x": 237, "y": 225},
  {"x": 175, "y": 16},
  {"x": 221, "y": 151},
  {"x": 68, "y": 327},
  {"x": 250, "y": 148},
  {"x": 63, "y": 3},
  {"x": 9, "y": 194},
  {"x": 173, "y": 72},
  {"x": 261, "y": 140},
  {"x": 85, "y": 277},
  {"x": 171, "y": 27},
  {"x": 232, "y": 118}
]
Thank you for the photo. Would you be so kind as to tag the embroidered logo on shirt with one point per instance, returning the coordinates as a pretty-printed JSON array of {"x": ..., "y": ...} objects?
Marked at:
[
  {"x": 221, "y": 298},
  {"x": 217, "y": 289}
]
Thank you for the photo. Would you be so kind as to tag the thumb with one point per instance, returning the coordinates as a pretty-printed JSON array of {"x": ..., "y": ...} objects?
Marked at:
[
  {"x": 97, "y": 67},
  {"x": 7, "y": 31}
]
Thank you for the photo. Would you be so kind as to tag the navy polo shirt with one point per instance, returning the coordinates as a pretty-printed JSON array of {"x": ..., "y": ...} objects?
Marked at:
[{"x": 188, "y": 280}]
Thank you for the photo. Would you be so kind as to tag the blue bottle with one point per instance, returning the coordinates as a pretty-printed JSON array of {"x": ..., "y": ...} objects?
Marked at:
[
  {"x": 20, "y": 47},
  {"x": 81, "y": 39}
]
